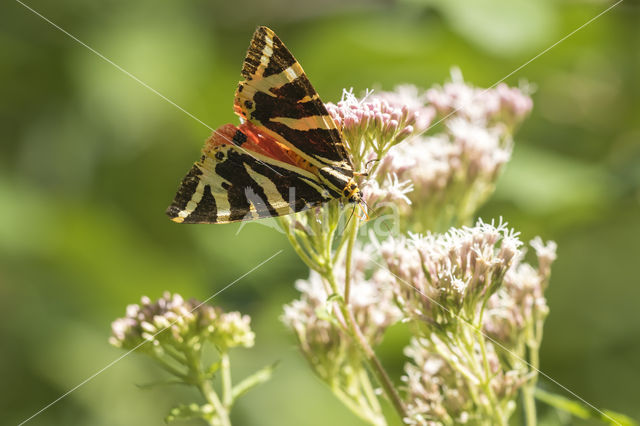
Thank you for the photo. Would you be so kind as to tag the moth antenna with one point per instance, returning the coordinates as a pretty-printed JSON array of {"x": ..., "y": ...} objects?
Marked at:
[
  {"x": 350, "y": 216},
  {"x": 369, "y": 162}
]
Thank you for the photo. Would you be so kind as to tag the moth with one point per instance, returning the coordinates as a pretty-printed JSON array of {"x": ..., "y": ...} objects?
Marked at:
[{"x": 287, "y": 155}]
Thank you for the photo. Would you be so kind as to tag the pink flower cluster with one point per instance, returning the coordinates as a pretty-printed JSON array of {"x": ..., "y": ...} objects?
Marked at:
[
  {"x": 446, "y": 176},
  {"x": 502, "y": 103},
  {"x": 441, "y": 278},
  {"x": 173, "y": 321},
  {"x": 377, "y": 123}
]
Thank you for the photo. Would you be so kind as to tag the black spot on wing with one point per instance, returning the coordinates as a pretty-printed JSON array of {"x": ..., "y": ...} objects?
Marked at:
[{"x": 239, "y": 138}]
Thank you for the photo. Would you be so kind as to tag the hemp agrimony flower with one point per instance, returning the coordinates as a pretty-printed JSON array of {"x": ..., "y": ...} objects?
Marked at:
[
  {"x": 324, "y": 338},
  {"x": 375, "y": 124},
  {"x": 503, "y": 105},
  {"x": 477, "y": 312},
  {"x": 445, "y": 278},
  {"x": 453, "y": 171},
  {"x": 474, "y": 344},
  {"x": 174, "y": 333}
]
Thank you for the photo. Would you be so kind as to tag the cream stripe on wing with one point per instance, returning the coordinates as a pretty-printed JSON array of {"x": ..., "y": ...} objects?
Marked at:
[
  {"x": 220, "y": 195},
  {"x": 271, "y": 192},
  {"x": 192, "y": 204},
  {"x": 222, "y": 205},
  {"x": 274, "y": 81}
]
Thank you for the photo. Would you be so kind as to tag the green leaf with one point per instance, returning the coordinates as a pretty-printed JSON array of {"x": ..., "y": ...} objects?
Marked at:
[
  {"x": 253, "y": 380},
  {"x": 582, "y": 411}
]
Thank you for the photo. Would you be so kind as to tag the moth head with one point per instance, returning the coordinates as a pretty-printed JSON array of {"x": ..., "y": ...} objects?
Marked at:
[{"x": 352, "y": 192}]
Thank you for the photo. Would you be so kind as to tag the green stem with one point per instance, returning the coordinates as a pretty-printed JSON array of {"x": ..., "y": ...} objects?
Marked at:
[
  {"x": 529, "y": 403},
  {"x": 353, "y": 233},
  {"x": 493, "y": 407},
  {"x": 300, "y": 251},
  {"x": 211, "y": 396},
  {"x": 170, "y": 368},
  {"x": 471, "y": 379},
  {"x": 206, "y": 388},
  {"x": 227, "y": 387},
  {"x": 375, "y": 364},
  {"x": 355, "y": 408},
  {"x": 369, "y": 393},
  {"x": 528, "y": 390},
  {"x": 176, "y": 354},
  {"x": 370, "y": 356}
]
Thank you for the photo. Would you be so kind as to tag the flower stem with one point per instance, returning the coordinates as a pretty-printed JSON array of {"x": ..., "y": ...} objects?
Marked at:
[
  {"x": 369, "y": 393},
  {"x": 212, "y": 398},
  {"x": 206, "y": 388},
  {"x": 355, "y": 408},
  {"x": 528, "y": 390},
  {"x": 227, "y": 387},
  {"x": 170, "y": 368},
  {"x": 529, "y": 404},
  {"x": 374, "y": 363},
  {"x": 372, "y": 360},
  {"x": 353, "y": 232}
]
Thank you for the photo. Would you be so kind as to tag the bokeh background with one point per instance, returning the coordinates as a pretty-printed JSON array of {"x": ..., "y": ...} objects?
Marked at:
[{"x": 89, "y": 160}]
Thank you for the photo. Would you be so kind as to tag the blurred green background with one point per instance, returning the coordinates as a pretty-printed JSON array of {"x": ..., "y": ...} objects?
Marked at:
[{"x": 90, "y": 159}]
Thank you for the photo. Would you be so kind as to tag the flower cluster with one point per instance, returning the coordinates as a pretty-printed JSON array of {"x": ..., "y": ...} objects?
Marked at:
[
  {"x": 324, "y": 342},
  {"x": 502, "y": 104},
  {"x": 451, "y": 173},
  {"x": 462, "y": 293},
  {"x": 172, "y": 321},
  {"x": 520, "y": 303},
  {"x": 473, "y": 307},
  {"x": 466, "y": 292},
  {"x": 323, "y": 336},
  {"x": 439, "y": 180},
  {"x": 173, "y": 331},
  {"x": 376, "y": 123},
  {"x": 438, "y": 393},
  {"x": 442, "y": 277}
]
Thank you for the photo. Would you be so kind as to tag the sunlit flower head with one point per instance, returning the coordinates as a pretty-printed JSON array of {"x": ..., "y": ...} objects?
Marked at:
[
  {"x": 377, "y": 123},
  {"x": 509, "y": 105},
  {"x": 173, "y": 321},
  {"x": 520, "y": 302},
  {"x": 324, "y": 342},
  {"x": 443, "y": 276},
  {"x": 437, "y": 391}
]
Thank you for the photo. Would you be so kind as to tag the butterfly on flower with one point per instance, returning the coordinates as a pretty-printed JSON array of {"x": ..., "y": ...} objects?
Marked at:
[{"x": 287, "y": 155}]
